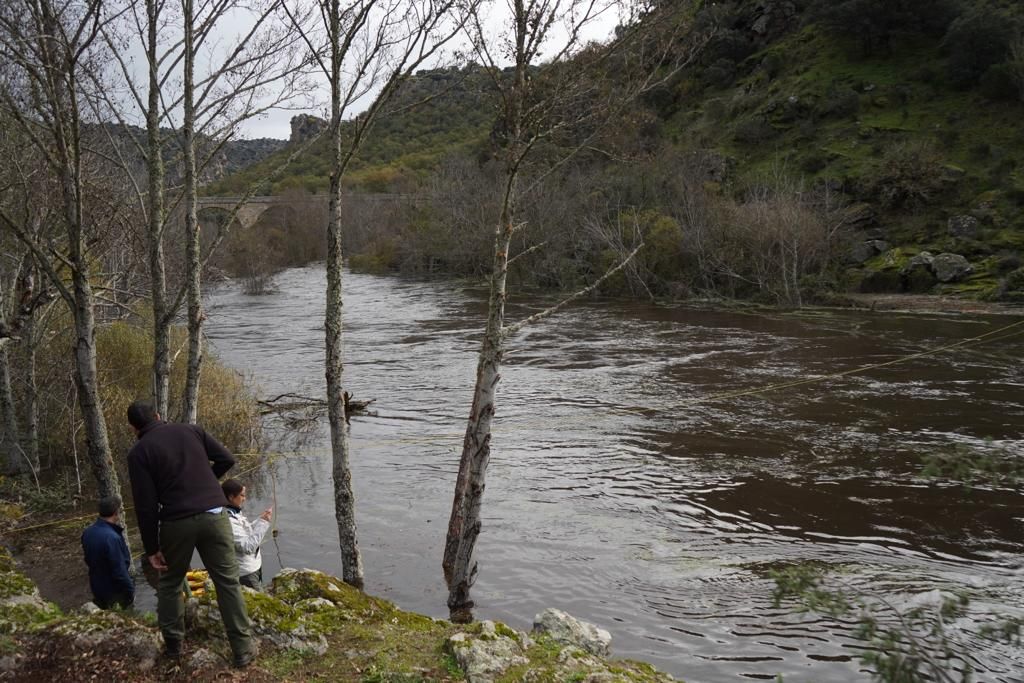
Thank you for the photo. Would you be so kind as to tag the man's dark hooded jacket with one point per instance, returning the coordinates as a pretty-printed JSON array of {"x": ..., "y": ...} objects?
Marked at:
[{"x": 174, "y": 470}]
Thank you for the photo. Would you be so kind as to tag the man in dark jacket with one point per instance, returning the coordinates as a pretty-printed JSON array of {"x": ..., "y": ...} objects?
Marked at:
[
  {"x": 181, "y": 508},
  {"x": 106, "y": 554}
]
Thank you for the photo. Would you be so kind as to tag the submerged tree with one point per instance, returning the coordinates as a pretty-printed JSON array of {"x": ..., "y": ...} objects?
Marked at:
[{"x": 549, "y": 112}]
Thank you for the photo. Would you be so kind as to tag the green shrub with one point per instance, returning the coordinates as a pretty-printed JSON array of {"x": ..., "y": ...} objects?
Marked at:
[
  {"x": 772, "y": 65},
  {"x": 1014, "y": 281},
  {"x": 839, "y": 103},
  {"x": 721, "y": 74},
  {"x": 814, "y": 163},
  {"x": 754, "y": 132},
  {"x": 974, "y": 42},
  {"x": 876, "y": 23},
  {"x": 908, "y": 176},
  {"x": 377, "y": 257},
  {"x": 998, "y": 84}
]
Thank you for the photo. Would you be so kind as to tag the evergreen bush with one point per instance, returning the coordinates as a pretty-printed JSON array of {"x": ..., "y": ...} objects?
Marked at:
[{"x": 974, "y": 42}]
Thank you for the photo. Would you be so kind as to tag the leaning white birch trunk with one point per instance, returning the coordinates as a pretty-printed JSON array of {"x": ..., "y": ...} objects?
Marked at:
[
  {"x": 464, "y": 523},
  {"x": 190, "y": 399},
  {"x": 344, "y": 499},
  {"x": 525, "y": 124}
]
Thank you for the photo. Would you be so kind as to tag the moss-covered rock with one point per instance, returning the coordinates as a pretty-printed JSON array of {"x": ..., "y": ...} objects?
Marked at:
[
  {"x": 21, "y": 607},
  {"x": 313, "y": 624},
  {"x": 294, "y": 585}
]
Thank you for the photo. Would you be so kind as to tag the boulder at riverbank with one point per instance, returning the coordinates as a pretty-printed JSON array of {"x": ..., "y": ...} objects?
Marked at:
[{"x": 309, "y": 625}]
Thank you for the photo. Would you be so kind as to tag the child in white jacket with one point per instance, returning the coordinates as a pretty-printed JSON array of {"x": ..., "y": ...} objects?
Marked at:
[{"x": 248, "y": 535}]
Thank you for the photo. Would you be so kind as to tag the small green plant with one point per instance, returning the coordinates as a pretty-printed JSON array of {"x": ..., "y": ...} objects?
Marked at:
[
  {"x": 451, "y": 665},
  {"x": 905, "y": 645}
]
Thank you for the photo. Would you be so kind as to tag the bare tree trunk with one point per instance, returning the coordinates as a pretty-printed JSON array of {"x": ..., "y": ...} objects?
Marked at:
[
  {"x": 86, "y": 374},
  {"x": 464, "y": 523},
  {"x": 190, "y": 400},
  {"x": 10, "y": 437},
  {"x": 31, "y": 439},
  {"x": 344, "y": 499},
  {"x": 87, "y": 381},
  {"x": 69, "y": 149},
  {"x": 13, "y": 463},
  {"x": 559, "y": 106},
  {"x": 157, "y": 274}
]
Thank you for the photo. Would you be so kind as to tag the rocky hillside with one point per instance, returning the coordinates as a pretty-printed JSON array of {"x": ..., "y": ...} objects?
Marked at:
[
  {"x": 910, "y": 111},
  {"x": 407, "y": 142},
  {"x": 906, "y": 115},
  {"x": 240, "y": 154},
  {"x": 232, "y": 158}
]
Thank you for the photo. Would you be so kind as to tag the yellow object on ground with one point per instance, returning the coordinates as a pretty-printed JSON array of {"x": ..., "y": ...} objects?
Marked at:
[{"x": 196, "y": 579}]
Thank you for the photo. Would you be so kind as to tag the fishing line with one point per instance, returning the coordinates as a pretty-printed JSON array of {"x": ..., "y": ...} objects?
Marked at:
[{"x": 273, "y": 523}]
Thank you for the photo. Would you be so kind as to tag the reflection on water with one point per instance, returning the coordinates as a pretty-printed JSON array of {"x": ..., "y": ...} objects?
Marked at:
[{"x": 619, "y": 492}]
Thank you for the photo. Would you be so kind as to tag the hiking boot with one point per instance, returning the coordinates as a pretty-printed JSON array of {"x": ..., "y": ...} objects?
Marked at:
[
  {"x": 172, "y": 648},
  {"x": 243, "y": 660}
]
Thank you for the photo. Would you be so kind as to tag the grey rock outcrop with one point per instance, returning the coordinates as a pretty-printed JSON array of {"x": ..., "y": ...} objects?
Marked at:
[
  {"x": 866, "y": 250},
  {"x": 305, "y": 127},
  {"x": 951, "y": 267},
  {"x": 859, "y": 216},
  {"x": 487, "y": 655},
  {"x": 964, "y": 226},
  {"x": 922, "y": 261},
  {"x": 566, "y": 629},
  {"x": 239, "y": 154}
]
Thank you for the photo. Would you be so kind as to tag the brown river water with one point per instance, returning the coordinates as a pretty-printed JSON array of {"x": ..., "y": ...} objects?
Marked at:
[{"x": 623, "y": 492}]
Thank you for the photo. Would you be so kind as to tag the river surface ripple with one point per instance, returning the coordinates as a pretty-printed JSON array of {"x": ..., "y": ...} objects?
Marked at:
[{"x": 621, "y": 493}]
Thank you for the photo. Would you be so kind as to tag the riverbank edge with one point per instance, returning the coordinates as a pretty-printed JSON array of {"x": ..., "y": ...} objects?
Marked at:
[
  {"x": 918, "y": 304},
  {"x": 309, "y": 625}
]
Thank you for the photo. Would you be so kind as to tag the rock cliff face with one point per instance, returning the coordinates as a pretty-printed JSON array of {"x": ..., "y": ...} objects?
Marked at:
[{"x": 305, "y": 126}]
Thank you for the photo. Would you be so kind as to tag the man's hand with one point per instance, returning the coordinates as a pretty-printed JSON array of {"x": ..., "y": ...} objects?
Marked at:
[
  {"x": 267, "y": 514},
  {"x": 157, "y": 561}
]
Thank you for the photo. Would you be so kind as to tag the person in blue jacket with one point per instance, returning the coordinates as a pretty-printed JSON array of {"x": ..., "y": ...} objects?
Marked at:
[{"x": 106, "y": 554}]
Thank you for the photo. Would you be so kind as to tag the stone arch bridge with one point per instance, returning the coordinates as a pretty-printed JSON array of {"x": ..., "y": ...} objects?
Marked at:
[{"x": 250, "y": 210}]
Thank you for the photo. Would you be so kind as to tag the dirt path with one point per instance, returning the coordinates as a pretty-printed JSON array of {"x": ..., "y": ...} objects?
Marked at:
[{"x": 52, "y": 557}]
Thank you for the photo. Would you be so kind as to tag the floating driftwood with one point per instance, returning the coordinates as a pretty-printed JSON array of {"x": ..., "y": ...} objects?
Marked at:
[{"x": 310, "y": 407}]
